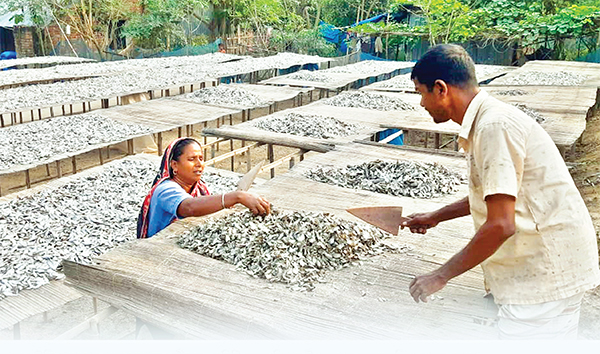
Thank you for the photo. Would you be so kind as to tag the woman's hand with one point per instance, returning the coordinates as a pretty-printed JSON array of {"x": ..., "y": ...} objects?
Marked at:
[
  {"x": 256, "y": 204},
  {"x": 420, "y": 222}
]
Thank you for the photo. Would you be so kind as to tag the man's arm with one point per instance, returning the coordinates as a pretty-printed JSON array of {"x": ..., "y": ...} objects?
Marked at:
[
  {"x": 499, "y": 226},
  {"x": 420, "y": 222}
]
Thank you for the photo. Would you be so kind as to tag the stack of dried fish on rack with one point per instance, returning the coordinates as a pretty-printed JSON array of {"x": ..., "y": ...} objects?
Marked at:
[
  {"x": 77, "y": 221},
  {"x": 311, "y": 125},
  {"x": 400, "y": 178},
  {"x": 226, "y": 95},
  {"x": 313, "y": 76},
  {"x": 398, "y": 82},
  {"x": 367, "y": 67},
  {"x": 369, "y": 100},
  {"x": 203, "y": 62},
  {"x": 293, "y": 247},
  {"x": 530, "y": 112},
  {"x": 482, "y": 71},
  {"x": 37, "y": 141},
  {"x": 554, "y": 78}
]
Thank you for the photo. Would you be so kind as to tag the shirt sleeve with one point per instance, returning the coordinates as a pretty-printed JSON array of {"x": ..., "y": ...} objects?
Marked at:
[
  {"x": 169, "y": 197},
  {"x": 499, "y": 153}
]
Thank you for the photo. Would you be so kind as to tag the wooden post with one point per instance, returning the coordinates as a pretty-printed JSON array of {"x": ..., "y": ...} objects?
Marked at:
[
  {"x": 74, "y": 163},
  {"x": 159, "y": 143},
  {"x": 231, "y": 119},
  {"x": 180, "y": 132},
  {"x": 248, "y": 161},
  {"x": 100, "y": 156},
  {"x": 130, "y": 146},
  {"x": 58, "y": 170},
  {"x": 47, "y": 170},
  {"x": 205, "y": 124},
  {"x": 426, "y": 138},
  {"x": 437, "y": 140},
  {"x": 271, "y": 157},
  {"x": 27, "y": 179}
]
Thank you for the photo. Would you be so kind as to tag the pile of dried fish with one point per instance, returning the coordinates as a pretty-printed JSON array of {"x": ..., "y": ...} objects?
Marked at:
[
  {"x": 219, "y": 183},
  {"x": 125, "y": 80},
  {"x": 368, "y": 67},
  {"x": 554, "y": 78},
  {"x": 313, "y": 76},
  {"x": 203, "y": 62},
  {"x": 227, "y": 95},
  {"x": 482, "y": 71},
  {"x": 400, "y": 178},
  {"x": 369, "y": 100},
  {"x": 37, "y": 141},
  {"x": 293, "y": 247},
  {"x": 530, "y": 112},
  {"x": 511, "y": 92},
  {"x": 311, "y": 125},
  {"x": 77, "y": 221},
  {"x": 397, "y": 82}
]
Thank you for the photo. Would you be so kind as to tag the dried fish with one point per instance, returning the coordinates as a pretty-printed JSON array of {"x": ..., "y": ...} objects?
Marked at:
[
  {"x": 226, "y": 95},
  {"x": 138, "y": 76},
  {"x": 530, "y": 112},
  {"x": 369, "y": 100},
  {"x": 110, "y": 67},
  {"x": 399, "y": 178},
  {"x": 554, "y": 78},
  {"x": 511, "y": 92},
  {"x": 37, "y": 141},
  {"x": 311, "y": 125},
  {"x": 483, "y": 71},
  {"x": 292, "y": 247},
  {"x": 368, "y": 67},
  {"x": 397, "y": 82},
  {"x": 313, "y": 76},
  {"x": 77, "y": 221}
]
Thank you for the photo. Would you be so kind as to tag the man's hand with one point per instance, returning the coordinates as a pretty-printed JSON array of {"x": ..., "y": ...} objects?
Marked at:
[
  {"x": 424, "y": 285},
  {"x": 420, "y": 222}
]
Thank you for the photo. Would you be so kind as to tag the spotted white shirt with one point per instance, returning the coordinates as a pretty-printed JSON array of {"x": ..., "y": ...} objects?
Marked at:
[{"x": 553, "y": 253}]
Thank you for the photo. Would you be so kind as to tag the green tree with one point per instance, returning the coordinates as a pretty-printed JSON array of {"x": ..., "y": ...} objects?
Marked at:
[{"x": 159, "y": 25}]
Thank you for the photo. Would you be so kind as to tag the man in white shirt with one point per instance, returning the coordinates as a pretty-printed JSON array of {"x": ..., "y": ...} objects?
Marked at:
[{"x": 534, "y": 237}]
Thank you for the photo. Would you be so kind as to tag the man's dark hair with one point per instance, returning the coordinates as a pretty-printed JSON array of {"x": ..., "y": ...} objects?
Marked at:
[{"x": 447, "y": 62}]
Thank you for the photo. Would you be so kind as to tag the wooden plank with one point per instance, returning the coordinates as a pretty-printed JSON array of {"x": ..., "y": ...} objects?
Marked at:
[{"x": 269, "y": 138}]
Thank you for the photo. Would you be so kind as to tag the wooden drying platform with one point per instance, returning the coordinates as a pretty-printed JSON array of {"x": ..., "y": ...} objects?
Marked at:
[
  {"x": 200, "y": 297},
  {"x": 245, "y": 131},
  {"x": 24, "y": 115},
  {"x": 159, "y": 115},
  {"x": 577, "y": 67},
  {"x": 47, "y": 81},
  {"x": 564, "y": 107},
  {"x": 277, "y": 95},
  {"x": 55, "y": 294},
  {"x": 341, "y": 82},
  {"x": 41, "y": 62},
  {"x": 378, "y": 86},
  {"x": 401, "y": 67},
  {"x": 28, "y": 303}
]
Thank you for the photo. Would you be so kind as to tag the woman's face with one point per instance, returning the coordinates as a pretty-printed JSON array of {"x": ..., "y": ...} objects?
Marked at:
[{"x": 190, "y": 165}]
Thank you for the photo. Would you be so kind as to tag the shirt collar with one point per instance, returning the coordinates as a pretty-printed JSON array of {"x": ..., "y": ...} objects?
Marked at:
[{"x": 469, "y": 118}]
